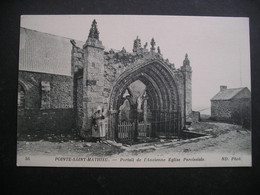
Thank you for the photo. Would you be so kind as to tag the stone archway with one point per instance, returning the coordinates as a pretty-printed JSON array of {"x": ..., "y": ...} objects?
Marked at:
[
  {"x": 163, "y": 98},
  {"x": 103, "y": 77}
]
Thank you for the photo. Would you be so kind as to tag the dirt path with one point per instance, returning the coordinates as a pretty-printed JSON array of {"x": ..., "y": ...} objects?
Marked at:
[{"x": 222, "y": 138}]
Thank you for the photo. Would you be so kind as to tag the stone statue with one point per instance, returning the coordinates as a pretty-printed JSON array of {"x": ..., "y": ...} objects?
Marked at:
[
  {"x": 123, "y": 50},
  {"x": 152, "y": 44},
  {"x": 158, "y": 49}
]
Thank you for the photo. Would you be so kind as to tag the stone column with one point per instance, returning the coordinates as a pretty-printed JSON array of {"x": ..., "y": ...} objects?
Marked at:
[
  {"x": 113, "y": 125},
  {"x": 93, "y": 80},
  {"x": 148, "y": 133},
  {"x": 187, "y": 73}
]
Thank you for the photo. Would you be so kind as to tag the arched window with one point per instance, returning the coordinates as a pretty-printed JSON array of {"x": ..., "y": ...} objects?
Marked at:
[{"x": 21, "y": 97}]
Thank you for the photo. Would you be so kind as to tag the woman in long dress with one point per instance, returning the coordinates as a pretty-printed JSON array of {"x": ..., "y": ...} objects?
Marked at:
[{"x": 98, "y": 126}]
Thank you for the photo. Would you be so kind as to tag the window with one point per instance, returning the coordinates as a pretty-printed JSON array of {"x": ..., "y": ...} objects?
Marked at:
[
  {"x": 21, "y": 97},
  {"x": 45, "y": 94}
]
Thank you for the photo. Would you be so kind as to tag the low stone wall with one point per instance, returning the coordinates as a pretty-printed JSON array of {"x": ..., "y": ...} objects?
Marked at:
[
  {"x": 35, "y": 121},
  {"x": 194, "y": 116}
]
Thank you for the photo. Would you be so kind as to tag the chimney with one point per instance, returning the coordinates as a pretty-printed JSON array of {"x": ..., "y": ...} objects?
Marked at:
[{"x": 223, "y": 87}]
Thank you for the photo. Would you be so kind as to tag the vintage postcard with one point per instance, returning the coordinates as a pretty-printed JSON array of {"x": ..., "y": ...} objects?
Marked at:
[{"x": 134, "y": 91}]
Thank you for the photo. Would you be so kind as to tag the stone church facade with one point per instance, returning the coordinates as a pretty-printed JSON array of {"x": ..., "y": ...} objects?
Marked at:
[{"x": 100, "y": 78}]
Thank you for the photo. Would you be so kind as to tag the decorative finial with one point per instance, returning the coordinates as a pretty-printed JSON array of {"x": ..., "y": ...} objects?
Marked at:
[
  {"x": 186, "y": 61},
  {"x": 152, "y": 44},
  {"x": 93, "y": 32},
  {"x": 137, "y": 44},
  {"x": 145, "y": 45},
  {"x": 158, "y": 50},
  {"x": 111, "y": 51},
  {"x": 123, "y": 50}
]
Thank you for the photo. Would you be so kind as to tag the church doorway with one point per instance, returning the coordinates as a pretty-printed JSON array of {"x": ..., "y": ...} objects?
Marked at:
[
  {"x": 144, "y": 103},
  {"x": 134, "y": 115}
]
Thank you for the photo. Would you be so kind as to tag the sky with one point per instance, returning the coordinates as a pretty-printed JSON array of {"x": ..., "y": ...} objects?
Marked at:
[{"x": 218, "y": 47}]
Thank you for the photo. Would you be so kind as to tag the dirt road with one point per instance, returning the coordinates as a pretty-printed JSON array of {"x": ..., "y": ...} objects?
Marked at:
[{"x": 221, "y": 138}]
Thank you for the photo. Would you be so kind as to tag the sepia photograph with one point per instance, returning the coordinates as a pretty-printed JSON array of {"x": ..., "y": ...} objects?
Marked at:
[{"x": 134, "y": 91}]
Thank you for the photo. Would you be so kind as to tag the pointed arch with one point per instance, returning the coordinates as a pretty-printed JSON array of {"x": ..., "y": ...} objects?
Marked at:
[{"x": 162, "y": 91}]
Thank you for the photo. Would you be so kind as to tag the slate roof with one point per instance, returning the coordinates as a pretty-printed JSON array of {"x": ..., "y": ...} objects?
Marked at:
[
  {"x": 227, "y": 94},
  {"x": 46, "y": 53}
]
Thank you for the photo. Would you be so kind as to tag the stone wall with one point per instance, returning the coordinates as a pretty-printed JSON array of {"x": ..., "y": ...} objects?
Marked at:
[
  {"x": 117, "y": 63},
  {"x": 221, "y": 110},
  {"x": 241, "y": 112},
  {"x": 56, "y": 114},
  {"x": 102, "y": 70},
  {"x": 79, "y": 106},
  {"x": 236, "y": 111},
  {"x": 93, "y": 81},
  {"x": 77, "y": 59},
  {"x": 194, "y": 117},
  {"x": 35, "y": 121},
  {"x": 61, "y": 89}
]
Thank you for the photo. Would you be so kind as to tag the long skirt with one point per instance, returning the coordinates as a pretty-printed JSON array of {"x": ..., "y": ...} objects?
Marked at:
[{"x": 99, "y": 131}]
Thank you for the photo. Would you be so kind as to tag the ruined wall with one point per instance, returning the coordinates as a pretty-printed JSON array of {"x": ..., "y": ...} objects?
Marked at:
[
  {"x": 101, "y": 71},
  {"x": 117, "y": 63},
  {"x": 97, "y": 87}
]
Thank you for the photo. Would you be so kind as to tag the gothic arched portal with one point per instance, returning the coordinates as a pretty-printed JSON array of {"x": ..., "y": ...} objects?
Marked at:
[
  {"x": 162, "y": 93},
  {"x": 104, "y": 76}
]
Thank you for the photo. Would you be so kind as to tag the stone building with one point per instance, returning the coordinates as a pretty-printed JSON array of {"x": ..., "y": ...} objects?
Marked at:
[
  {"x": 232, "y": 105},
  {"x": 62, "y": 82},
  {"x": 45, "y": 85}
]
